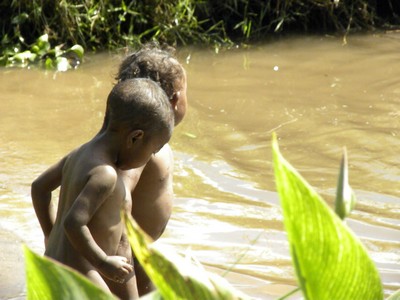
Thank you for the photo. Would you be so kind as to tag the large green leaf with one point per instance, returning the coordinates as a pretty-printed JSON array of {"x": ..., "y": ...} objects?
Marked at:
[
  {"x": 174, "y": 276},
  {"x": 47, "y": 279},
  {"x": 330, "y": 261}
]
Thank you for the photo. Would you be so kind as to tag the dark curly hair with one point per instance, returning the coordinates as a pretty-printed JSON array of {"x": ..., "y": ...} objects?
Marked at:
[
  {"x": 154, "y": 62},
  {"x": 139, "y": 103}
]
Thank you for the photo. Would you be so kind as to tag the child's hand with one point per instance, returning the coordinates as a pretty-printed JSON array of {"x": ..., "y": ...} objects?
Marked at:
[{"x": 116, "y": 268}]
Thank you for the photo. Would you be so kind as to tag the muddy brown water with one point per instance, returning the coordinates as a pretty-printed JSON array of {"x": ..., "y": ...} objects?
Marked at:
[{"x": 317, "y": 93}]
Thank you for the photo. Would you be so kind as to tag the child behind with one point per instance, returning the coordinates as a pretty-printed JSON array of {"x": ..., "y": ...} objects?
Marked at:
[
  {"x": 88, "y": 227},
  {"x": 152, "y": 187}
]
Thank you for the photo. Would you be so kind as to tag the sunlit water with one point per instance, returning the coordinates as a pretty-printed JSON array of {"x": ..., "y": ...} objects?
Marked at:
[{"x": 317, "y": 94}]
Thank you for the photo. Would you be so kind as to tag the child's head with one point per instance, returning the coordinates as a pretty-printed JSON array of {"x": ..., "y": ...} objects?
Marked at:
[
  {"x": 161, "y": 66},
  {"x": 140, "y": 110}
]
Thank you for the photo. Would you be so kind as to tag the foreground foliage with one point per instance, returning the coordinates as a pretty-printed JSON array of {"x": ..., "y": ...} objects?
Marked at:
[
  {"x": 177, "y": 277},
  {"x": 330, "y": 261},
  {"x": 47, "y": 279}
]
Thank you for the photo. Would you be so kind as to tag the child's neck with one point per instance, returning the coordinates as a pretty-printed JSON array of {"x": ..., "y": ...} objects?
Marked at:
[{"x": 109, "y": 144}]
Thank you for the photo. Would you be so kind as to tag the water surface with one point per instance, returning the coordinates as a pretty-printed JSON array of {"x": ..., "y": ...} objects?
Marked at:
[{"x": 318, "y": 94}]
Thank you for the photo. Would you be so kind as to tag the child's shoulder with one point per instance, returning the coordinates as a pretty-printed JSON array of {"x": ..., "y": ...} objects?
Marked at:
[
  {"x": 106, "y": 171},
  {"x": 84, "y": 161}
]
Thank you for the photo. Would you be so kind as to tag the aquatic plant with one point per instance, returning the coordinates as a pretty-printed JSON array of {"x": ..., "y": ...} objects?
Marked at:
[
  {"x": 42, "y": 53},
  {"x": 345, "y": 196}
]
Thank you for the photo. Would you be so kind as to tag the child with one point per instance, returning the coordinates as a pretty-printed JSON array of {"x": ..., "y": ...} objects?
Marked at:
[
  {"x": 88, "y": 228},
  {"x": 151, "y": 187}
]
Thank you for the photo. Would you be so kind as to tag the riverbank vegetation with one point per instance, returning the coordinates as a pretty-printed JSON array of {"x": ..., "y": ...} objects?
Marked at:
[{"x": 105, "y": 25}]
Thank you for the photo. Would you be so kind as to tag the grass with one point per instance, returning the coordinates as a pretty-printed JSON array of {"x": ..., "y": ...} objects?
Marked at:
[
  {"x": 105, "y": 24},
  {"x": 108, "y": 25}
]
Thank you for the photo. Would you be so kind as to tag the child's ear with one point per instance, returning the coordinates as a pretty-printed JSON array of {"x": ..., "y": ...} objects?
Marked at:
[
  {"x": 174, "y": 99},
  {"x": 135, "y": 135}
]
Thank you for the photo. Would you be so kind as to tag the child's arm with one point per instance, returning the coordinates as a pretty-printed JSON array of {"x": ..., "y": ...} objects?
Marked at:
[
  {"x": 98, "y": 188},
  {"x": 41, "y": 190}
]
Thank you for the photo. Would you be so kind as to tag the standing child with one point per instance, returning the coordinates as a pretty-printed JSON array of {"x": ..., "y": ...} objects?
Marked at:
[
  {"x": 151, "y": 186},
  {"x": 87, "y": 230}
]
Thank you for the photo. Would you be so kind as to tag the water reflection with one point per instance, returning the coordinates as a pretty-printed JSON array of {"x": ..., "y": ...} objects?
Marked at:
[{"x": 317, "y": 94}]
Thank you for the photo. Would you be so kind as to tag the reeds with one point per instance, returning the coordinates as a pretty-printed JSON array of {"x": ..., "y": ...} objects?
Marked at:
[{"x": 245, "y": 19}]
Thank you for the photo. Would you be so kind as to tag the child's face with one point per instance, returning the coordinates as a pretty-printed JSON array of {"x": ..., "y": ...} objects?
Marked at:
[
  {"x": 141, "y": 148},
  {"x": 181, "y": 104}
]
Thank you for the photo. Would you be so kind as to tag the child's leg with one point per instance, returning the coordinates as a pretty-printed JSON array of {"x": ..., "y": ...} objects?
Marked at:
[
  {"x": 125, "y": 291},
  {"x": 96, "y": 278}
]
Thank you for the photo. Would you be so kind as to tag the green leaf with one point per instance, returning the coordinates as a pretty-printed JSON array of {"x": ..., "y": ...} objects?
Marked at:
[
  {"x": 190, "y": 135},
  {"x": 62, "y": 64},
  {"x": 35, "y": 49},
  {"x": 394, "y": 296},
  {"x": 47, "y": 279},
  {"x": 20, "y": 19},
  {"x": 155, "y": 295},
  {"x": 174, "y": 276},
  {"x": 43, "y": 43},
  {"x": 78, "y": 49},
  {"x": 345, "y": 197},
  {"x": 43, "y": 38},
  {"x": 330, "y": 261},
  {"x": 56, "y": 51},
  {"x": 24, "y": 56},
  {"x": 48, "y": 63}
]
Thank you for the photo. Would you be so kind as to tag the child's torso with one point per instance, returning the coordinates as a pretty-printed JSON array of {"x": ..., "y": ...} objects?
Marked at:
[{"x": 105, "y": 225}]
